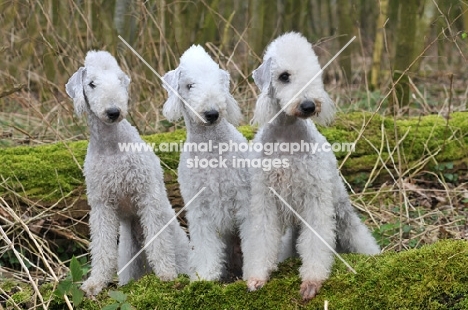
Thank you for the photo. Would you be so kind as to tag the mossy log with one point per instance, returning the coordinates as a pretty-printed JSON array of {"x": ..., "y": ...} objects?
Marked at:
[
  {"x": 52, "y": 172},
  {"x": 432, "y": 277}
]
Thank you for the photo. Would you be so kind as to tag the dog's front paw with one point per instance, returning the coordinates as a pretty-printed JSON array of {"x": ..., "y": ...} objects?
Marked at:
[
  {"x": 254, "y": 284},
  {"x": 167, "y": 276},
  {"x": 309, "y": 289},
  {"x": 205, "y": 275},
  {"x": 92, "y": 287}
]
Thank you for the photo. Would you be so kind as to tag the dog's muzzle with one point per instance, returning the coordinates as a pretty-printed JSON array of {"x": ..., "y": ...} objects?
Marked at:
[
  {"x": 307, "y": 108},
  {"x": 113, "y": 113},
  {"x": 211, "y": 116}
]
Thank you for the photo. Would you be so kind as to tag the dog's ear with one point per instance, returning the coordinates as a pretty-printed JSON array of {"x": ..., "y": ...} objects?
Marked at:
[
  {"x": 233, "y": 112},
  {"x": 327, "y": 110},
  {"x": 124, "y": 79},
  {"x": 262, "y": 77},
  {"x": 266, "y": 106},
  {"x": 74, "y": 89},
  {"x": 172, "y": 109},
  {"x": 265, "y": 109}
]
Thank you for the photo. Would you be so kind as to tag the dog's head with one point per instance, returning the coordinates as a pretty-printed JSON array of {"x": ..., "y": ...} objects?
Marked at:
[
  {"x": 290, "y": 79},
  {"x": 199, "y": 89},
  {"x": 100, "y": 87}
]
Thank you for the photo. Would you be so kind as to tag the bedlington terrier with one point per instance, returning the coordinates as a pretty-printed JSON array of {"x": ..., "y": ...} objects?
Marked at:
[
  {"x": 209, "y": 110},
  {"x": 310, "y": 182},
  {"x": 123, "y": 187}
]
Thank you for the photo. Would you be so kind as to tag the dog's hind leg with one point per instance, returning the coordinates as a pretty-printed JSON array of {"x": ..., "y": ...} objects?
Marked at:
[
  {"x": 130, "y": 242},
  {"x": 352, "y": 235},
  {"x": 288, "y": 244},
  {"x": 181, "y": 248},
  {"x": 159, "y": 240}
]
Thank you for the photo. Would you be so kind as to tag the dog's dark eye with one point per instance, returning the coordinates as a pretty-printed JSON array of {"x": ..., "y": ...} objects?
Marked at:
[
  {"x": 189, "y": 86},
  {"x": 284, "y": 77},
  {"x": 92, "y": 85}
]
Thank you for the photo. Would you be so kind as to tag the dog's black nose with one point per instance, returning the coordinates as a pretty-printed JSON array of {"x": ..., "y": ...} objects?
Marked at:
[
  {"x": 113, "y": 113},
  {"x": 307, "y": 107},
  {"x": 211, "y": 116}
]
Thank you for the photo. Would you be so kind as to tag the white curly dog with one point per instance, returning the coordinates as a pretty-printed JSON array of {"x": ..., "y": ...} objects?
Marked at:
[
  {"x": 310, "y": 182},
  {"x": 123, "y": 187},
  {"x": 203, "y": 99}
]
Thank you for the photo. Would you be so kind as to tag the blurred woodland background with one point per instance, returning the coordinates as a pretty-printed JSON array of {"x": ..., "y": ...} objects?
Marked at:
[{"x": 44, "y": 42}]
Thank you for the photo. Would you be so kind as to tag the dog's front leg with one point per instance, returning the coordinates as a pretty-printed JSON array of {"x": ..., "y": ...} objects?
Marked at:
[
  {"x": 104, "y": 225},
  {"x": 261, "y": 235},
  {"x": 207, "y": 242},
  {"x": 314, "y": 243},
  {"x": 129, "y": 244}
]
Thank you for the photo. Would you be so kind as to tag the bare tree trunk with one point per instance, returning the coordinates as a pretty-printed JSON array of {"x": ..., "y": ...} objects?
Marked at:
[
  {"x": 368, "y": 14},
  {"x": 256, "y": 10},
  {"x": 346, "y": 32},
  {"x": 228, "y": 11},
  {"x": 120, "y": 12},
  {"x": 325, "y": 22},
  {"x": 270, "y": 11},
  {"x": 124, "y": 20},
  {"x": 180, "y": 36},
  {"x": 404, "y": 51},
  {"x": 210, "y": 27},
  {"x": 314, "y": 14},
  {"x": 464, "y": 9},
  {"x": 303, "y": 16},
  {"x": 280, "y": 9},
  {"x": 426, "y": 14},
  {"x": 330, "y": 30},
  {"x": 378, "y": 45}
]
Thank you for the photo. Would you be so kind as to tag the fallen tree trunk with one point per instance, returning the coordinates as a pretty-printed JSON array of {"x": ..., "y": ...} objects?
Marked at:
[{"x": 53, "y": 172}]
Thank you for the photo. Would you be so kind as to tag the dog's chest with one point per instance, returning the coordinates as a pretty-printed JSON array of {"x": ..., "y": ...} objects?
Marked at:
[
  {"x": 299, "y": 185},
  {"x": 292, "y": 179},
  {"x": 221, "y": 180},
  {"x": 118, "y": 177}
]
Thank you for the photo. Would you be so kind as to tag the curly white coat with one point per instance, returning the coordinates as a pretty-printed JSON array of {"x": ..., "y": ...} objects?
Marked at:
[
  {"x": 214, "y": 216},
  {"x": 311, "y": 184},
  {"x": 125, "y": 189}
]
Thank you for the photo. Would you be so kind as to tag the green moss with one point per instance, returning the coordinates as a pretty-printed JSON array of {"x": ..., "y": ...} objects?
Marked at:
[
  {"x": 44, "y": 171},
  {"x": 428, "y": 278},
  {"x": 49, "y": 172},
  {"x": 7, "y": 285},
  {"x": 248, "y": 132},
  {"x": 425, "y": 136},
  {"x": 432, "y": 277},
  {"x": 171, "y": 159},
  {"x": 22, "y": 297}
]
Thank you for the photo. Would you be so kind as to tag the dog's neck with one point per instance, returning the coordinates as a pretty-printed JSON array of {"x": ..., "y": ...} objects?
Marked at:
[
  {"x": 106, "y": 137},
  {"x": 197, "y": 132},
  {"x": 287, "y": 128},
  {"x": 283, "y": 120}
]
